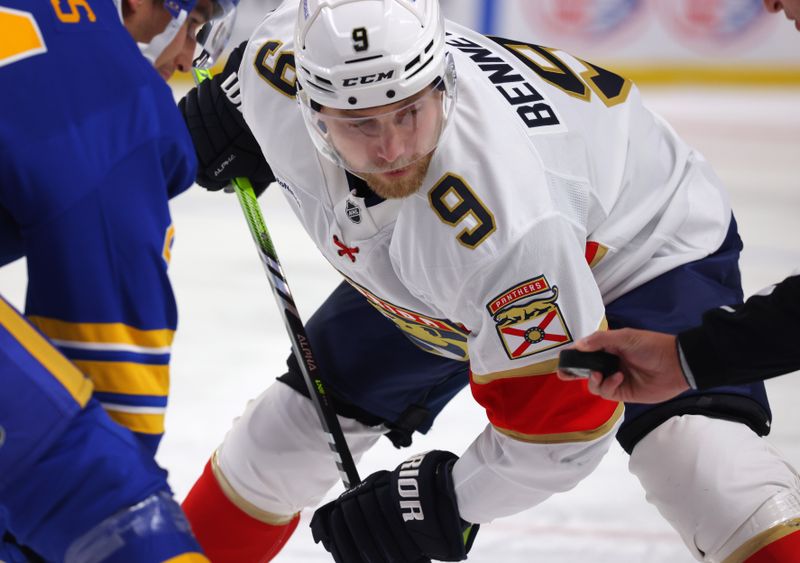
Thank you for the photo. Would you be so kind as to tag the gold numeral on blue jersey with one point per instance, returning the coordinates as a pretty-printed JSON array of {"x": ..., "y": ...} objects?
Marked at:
[
  {"x": 21, "y": 36},
  {"x": 73, "y": 15},
  {"x": 169, "y": 239}
]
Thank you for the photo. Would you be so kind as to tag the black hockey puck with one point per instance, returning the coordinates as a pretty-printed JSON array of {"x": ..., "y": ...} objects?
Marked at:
[{"x": 582, "y": 364}]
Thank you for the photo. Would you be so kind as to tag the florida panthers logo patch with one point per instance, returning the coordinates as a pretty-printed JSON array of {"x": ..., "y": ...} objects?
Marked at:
[{"x": 528, "y": 318}]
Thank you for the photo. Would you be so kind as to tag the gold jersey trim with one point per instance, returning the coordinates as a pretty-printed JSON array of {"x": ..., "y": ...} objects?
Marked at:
[
  {"x": 189, "y": 558},
  {"x": 760, "y": 541},
  {"x": 568, "y": 437},
  {"x": 66, "y": 373},
  {"x": 21, "y": 36},
  {"x": 138, "y": 422},
  {"x": 127, "y": 377},
  {"x": 109, "y": 333},
  {"x": 533, "y": 370},
  {"x": 243, "y": 504}
]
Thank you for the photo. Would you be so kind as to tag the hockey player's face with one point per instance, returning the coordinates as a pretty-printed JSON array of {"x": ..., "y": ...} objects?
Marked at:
[
  {"x": 179, "y": 53},
  {"x": 393, "y": 142}
]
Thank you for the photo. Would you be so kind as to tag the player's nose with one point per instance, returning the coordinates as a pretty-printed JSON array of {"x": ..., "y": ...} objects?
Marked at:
[
  {"x": 391, "y": 143},
  {"x": 183, "y": 61}
]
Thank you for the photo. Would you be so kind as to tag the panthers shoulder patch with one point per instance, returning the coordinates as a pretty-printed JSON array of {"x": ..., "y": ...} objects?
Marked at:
[{"x": 528, "y": 319}]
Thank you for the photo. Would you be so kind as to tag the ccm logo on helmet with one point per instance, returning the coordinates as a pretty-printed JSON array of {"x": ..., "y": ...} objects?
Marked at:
[{"x": 368, "y": 79}]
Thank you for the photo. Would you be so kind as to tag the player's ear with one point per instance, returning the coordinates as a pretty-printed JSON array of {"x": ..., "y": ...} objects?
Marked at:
[
  {"x": 137, "y": 16},
  {"x": 130, "y": 7}
]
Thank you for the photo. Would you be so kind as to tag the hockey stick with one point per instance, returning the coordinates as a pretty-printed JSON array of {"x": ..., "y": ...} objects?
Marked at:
[{"x": 297, "y": 333}]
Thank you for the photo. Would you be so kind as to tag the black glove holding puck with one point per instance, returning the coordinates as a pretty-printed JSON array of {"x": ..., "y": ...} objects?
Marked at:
[{"x": 225, "y": 146}]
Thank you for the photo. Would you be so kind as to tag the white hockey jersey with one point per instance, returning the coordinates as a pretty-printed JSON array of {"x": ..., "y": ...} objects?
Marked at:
[{"x": 552, "y": 192}]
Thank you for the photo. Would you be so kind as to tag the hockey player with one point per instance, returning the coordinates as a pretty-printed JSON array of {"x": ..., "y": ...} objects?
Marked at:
[
  {"x": 492, "y": 201},
  {"x": 91, "y": 149}
]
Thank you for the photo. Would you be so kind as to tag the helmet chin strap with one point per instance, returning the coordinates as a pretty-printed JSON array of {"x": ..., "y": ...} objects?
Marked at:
[{"x": 152, "y": 50}]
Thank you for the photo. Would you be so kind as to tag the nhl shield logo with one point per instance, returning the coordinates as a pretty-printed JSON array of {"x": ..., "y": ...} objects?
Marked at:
[
  {"x": 353, "y": 212},
  {"x": 528, "y": 319}
]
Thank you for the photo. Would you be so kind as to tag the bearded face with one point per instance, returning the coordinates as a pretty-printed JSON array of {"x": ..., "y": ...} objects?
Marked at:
[{"x": 389, "y": 146}]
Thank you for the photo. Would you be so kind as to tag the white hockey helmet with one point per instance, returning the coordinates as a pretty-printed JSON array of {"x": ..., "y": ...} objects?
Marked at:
[
  {"x": 212, "y": 37},
  {"x": 363, "y": 54},
  {"x": 179, "y": 10}
]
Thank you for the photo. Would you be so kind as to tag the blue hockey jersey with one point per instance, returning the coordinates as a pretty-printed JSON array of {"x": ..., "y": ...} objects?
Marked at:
[{"x": 91, "y": 149}]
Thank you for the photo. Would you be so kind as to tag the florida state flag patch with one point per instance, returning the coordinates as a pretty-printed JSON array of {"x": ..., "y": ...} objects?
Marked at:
[{"x": 528, "y": 318}]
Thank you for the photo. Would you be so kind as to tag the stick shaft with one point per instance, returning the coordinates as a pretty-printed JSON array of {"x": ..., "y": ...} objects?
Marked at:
[{"x": 301, "y": 347}]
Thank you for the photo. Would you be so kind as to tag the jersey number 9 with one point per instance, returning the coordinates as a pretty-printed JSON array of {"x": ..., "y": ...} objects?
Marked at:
[{"x": 454, "y": 203}]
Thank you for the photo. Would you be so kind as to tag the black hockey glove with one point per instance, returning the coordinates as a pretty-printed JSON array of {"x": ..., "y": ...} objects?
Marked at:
[
  {"x": 225, "y": 146},
  {"x": 406, "y": 515}
]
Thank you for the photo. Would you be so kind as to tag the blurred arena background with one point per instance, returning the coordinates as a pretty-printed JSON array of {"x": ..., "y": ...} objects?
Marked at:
[{"x": 708, "y": 41}]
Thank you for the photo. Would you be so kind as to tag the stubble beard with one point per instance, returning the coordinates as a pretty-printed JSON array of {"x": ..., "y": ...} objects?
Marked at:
[{"x": 401, "y": 186}]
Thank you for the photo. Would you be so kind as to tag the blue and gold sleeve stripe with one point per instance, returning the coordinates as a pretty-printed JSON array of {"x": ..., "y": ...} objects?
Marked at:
[
  {"x": 127, "y": 378},
  {"x": 106, "y": 336},
  {"x": 67, "y": 374},
  {"x": 139, "y": 392},
  {"x": 128, "y": 366},
  {"x": 142, "y": 414}
]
